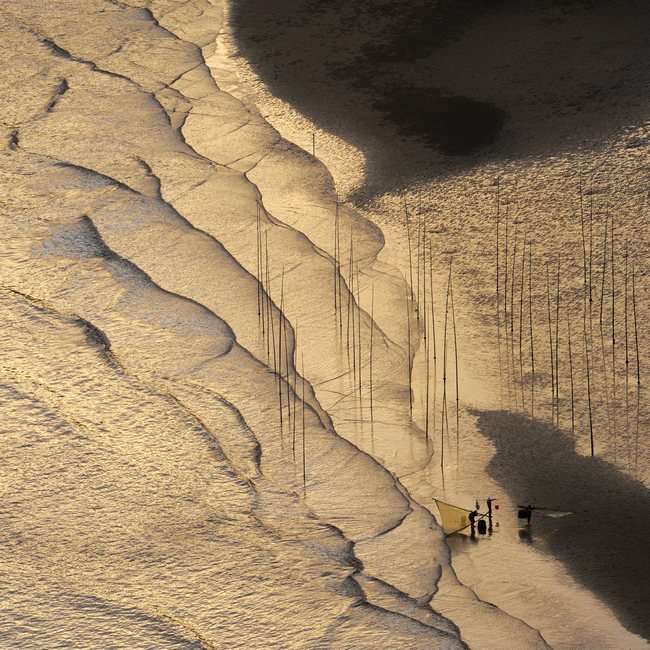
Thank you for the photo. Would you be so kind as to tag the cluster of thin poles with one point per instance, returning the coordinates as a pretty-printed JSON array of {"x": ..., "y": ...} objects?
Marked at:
[
  {"x": 348, "y": 310},
  {"x": 419, "y": 298},
  {"x": 512, "y": 265},
  {"x": 348, "y": 314},
  {"x": 278, "y": 354}
]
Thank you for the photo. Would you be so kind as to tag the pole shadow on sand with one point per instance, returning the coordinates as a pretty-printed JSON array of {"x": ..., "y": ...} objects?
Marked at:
[{"x": 605, "y": 544}]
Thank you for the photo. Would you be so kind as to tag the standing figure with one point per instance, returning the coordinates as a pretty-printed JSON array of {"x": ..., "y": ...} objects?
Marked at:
[
  {"x": 472, "y": 518},
  {"x": 526, "y": 512},
  {"x": 489, "y": 507}
]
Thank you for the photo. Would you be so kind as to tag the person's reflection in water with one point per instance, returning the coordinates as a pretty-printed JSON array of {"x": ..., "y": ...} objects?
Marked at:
[{"x": 525, "y": 536}]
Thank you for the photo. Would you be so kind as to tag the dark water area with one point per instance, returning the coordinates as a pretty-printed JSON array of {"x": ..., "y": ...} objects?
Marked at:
[
  {"x": 424, "y": 86},
  {"x": 605, "y": 544}
]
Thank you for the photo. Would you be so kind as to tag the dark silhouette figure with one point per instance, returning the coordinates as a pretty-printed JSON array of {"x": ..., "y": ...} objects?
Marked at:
[
  {"x": 472, "y": 520},
  {"x": 489, "y": 507},
  {"x": 526, "y": 512}
]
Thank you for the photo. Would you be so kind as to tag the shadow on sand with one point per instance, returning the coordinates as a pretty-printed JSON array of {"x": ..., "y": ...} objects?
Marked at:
[
  {"x": 605, "y": 544},
  {"x": 425, "y": 87}
]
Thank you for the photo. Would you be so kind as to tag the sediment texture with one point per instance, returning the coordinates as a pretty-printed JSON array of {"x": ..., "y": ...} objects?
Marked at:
[{"x": 157, "y": 416}]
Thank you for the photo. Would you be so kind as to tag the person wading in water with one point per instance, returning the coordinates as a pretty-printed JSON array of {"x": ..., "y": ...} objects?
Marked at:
[
  {"x": 472, "y": 519},
  {"x": 526, "y": 512}
]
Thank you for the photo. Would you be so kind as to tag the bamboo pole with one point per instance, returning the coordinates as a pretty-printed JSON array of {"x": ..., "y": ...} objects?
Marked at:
[
  {"x": 295, "y": 392},
  {"x": 512, "y": 287},
  {"x": 275, "y": 370},
  {"x": 636, "y": 437},
  {"x": 557, "y": 347},
  {"x": 264, "y": 294},
  {"x": 591, "y": 250},
  {"x": 335, "y": 265},
  {"x": 512, "y": 313},
  {"x": 269, "y": 310},
  {"x": 584, "y": 263},
  {"x": 286, "y": 327},
  {"x": 338, "y": 268},
  {"x": 530, "y": 320},
  {"x": 263, "y": 291},
  {"x": 259, "y": 269},
  {"x": 408, "y": 351},
  {"x": 591, "y": 420},
  {"x": 424, "y": 291},
  {"x": 349, "y": 297},
  {"x": 573, "y": 416},
  {"x": 427, "y": 343},
  {"x": 584, "y": 241},
  {"x": 584, "y": 317},
  {"x": 354, "y": 327},
  {"x": 604, "y": 271},
  {"x": 272, "y": 319},
  {"x": 418, "y": 255},
  {"x": 444, "y": 374},
  {"x": 601, "y": 326},
  {"x": 359, "y": 347},
  {"x": 521, "y": 322},
  {"x": 591, "y": 239},
  {"x": 498, "y": 219},
  {"x": 636, "y": 331},
  {"x": 372, "y": 331},
  {"x": 408, "y": 238},
  {"x": 505, "y": 300},
  {"x": 498, "y": 296},
  {"x": 280, "y": 328},
  {"x": 453, "y": 321},
  {"x": 433, "y": 336},
  {"x": 627, "y": 357},
  {"x": 304, "y": 452},
  {"x": 550, "y": 342},
  {"x": 505, "y": 269},
  {"x": 613, "y": 316}
]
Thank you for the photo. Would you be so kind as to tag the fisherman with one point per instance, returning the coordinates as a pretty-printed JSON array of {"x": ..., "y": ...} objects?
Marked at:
[
  {"x": 472, "y": 518},
  {"x": 489, "y": 507},
  {"x": 526, "y": 512}
]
